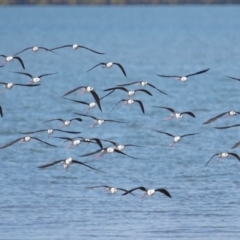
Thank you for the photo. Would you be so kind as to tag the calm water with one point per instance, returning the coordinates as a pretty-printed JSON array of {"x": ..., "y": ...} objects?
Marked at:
[{"x": 54, "y": 203}]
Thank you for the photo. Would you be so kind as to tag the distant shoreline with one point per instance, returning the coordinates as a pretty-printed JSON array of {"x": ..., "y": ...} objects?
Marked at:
[{"x": 118, "y": 2}]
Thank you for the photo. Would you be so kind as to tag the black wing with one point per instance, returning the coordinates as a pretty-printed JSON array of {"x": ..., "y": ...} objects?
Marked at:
[
  {"x": 164, "y": 191},
  {"x": 96, "y": 66},
  {"x": 156, "y": 88},
  {"x": 43, "y": 141},
  {"x": 203, "y": 71},
  {"x": 21, "y": 61},
  {"x": 121, "y": 67},
  {"x": 47, "y": 74},
  {"x": 11, "y": 143},
  {"x": 167, "y": 76},
  {"x": 235, "y": 155},
  {"x": 169, "y": 134},
  {"x": 215, "y": 118},
  {"x": 99, "y": 186},
  {"x": 1, "y": 112},
  {"x": 109, "y": 120},
  {"x": 27, "y": 85},
  {"x": 211, "y": 159},
  {"x": 89, "y": 154},
  {"x": 235, "y": 125},
  {"x": 23, "y": 50},
  {"x": 90, "y": 50},
  {"x": 115, "y": 150},
  {"x": 59, "y": 119},
  {"x": 190, "y": 134},
  {"x": 140, "y": 104},
  {"x": 60, "y": 47},
  {"x": 118, "y": 103},
  {"x": 78, "y": 162},
  {"x": 189, "y": 113},
  {"x": 235, "y": 145},
  {"x": 233, "y": 78},
  {"x": 76, "y": 119},
  {"x": 43, "y": 130},
  {"x": 128, "y": 84},
  {"x": 115, "y": 88},
  {"x": 77, "y": 101},
  {"x": 96, "y": 98},
  {"x": 85, "y": 115},
  {"x": 169, "y": 109},
  {"x": 27, "y": 74},
  {"x": 73, "y": 90},
  {"x": 143, "y": 90},
  {"x": 50, "y": 164},
  {"x": 131, "y": 190}
]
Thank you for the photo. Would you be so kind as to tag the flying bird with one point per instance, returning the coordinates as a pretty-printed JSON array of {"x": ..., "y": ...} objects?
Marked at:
[
  {"x": 10, "y": 85},
  {"x": 109, "y": 65},
  {"x": 11, "y": 58},
  {"x": 99, "y": 121},
  {"x": 175, "y": 114},
  {"x": 66, "y": 123},
  {"x": 112, "y": 190},
  {"x": 176, "y": 139},
  {"x": 130, "y": 102},
  {"x": 75, "y": 47},
  {"x": 34, "y": 49},
  {"x": 149, "y": 192},
  {"x": 106, "y": 150},
  {"x": 143, "y": 84},
  {"x": 86, "y": 89},
  {"x": 184, "y": 78},
  {"x": 34, "y": 79},
  {"x": 66, "y": 163},
  {"x": 223, "y": 155},
  {"x": 25, "y": 139},
  {"x": 227, "y": 114}
]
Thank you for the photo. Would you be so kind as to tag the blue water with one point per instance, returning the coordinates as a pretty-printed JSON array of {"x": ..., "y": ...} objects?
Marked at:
[{"x": 171, "y": 40}]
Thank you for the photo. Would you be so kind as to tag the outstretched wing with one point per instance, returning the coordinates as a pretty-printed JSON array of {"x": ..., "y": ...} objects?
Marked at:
[
  {"x": 43, "y": 141},
  {"x": 215, "y": 118},
  {"x": 51, "y": 164},
  {"x": 164, "y": 191},
  {"x": 200, "y": 72},
  {"x": 211, "y": 159},
  {"x": 96, "y": 66},
  {"x": 121, "y": 67}
]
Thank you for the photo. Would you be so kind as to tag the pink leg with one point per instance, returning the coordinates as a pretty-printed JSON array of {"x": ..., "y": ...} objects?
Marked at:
[
  {"x": 168, "y": 118},
  {"x": 2, "y": 90},
  {"x": 99, "y": 155},
  {"x": 81, "y": 93},
  {"x": 143, "y": 195},
  {"x": 172, "y": 144},
  {"x": 177, "y": 78},
  {"x": 69, "y": 146}
]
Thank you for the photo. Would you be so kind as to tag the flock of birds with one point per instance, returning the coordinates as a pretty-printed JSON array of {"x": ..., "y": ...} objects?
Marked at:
[{"x": 128, "y": 100}]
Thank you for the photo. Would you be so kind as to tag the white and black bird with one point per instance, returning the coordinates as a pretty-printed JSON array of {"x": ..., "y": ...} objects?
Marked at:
[
  {"x": 227, "y": 114},
  {"x": 34, "y": 49},
  {"x": 11, "y": 58},
  {"x": 90, "y": 105},
  {"x": 107, "y": 150},
  {"x": 77, "y": 140},
  {"x": 35, "y": 79},
  {"x": 175, "y": 114},
  {"x": 109, "y": 189},
  {"x": 98, "y": 121},
  {"x": 75, "y": 47},
  {"x": 223, "y": 155},
  {"x": 109, "y": 65},
  {"x": 130, "y": 102},
  {"x": 130, "y": 93},
  {"x": 25, "y": 139},
  {"x": 86, "y": 89},
  {"x": 143, "y": 84},
  {"x": 66, "y": 123},
  {"x": 10, "y": 85},
  {"x": 50, "y": 131},
  {"x": 176, "y": 139},
  {"x": 184, "y": 78},
  {"x": 149, "y": 192},
  {"x": 66, "y": 163}
]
